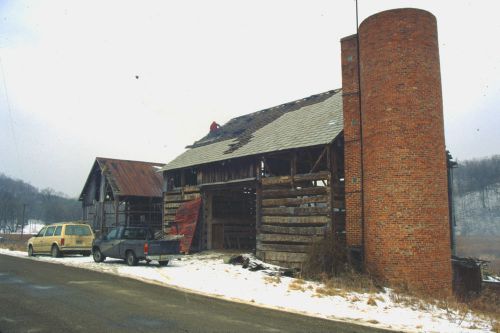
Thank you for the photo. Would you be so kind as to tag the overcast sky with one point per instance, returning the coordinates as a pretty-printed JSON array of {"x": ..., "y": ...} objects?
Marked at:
[{"x": 142, "y": 79}]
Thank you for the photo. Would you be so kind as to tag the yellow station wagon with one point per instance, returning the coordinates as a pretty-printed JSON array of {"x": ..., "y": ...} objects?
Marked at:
[{"x": 62, "y": 238}]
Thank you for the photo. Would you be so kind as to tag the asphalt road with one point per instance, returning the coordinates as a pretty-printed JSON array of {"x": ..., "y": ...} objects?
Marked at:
[{"x": 43, "y": 297}]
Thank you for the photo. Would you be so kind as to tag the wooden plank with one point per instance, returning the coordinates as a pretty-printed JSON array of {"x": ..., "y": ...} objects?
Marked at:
[
  {"x": 297, "y": 178},
  {"x": 283, "y": 247},
  {"x": 170, "y": 211},
  {"x": 172, "y": 205},
  {"x": 292, "y": 230},
  {"x": 295, "y": 211},
  {"x": 181, "y": 198},
  {"x": 297, "y": 265},
  {"x": 287, "y": 257},
  {"x": 318, "y": 220},
  {"x": 287, "y": 238},
  {"x": 173, "y": 198},
  {"x": 287, "y": 193},
  {"x": 294, "y": 201},
  {"x": 191, "y": 189}
]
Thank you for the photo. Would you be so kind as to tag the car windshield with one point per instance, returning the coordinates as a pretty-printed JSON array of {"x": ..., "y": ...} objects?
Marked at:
[{"x": 78, "y": 230}]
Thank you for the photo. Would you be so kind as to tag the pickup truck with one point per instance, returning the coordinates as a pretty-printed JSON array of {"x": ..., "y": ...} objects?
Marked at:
[{"x": 134, "y": 244}]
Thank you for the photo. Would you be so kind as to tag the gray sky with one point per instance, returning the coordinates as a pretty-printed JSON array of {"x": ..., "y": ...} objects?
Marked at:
[{"x": 69, "y": 91}]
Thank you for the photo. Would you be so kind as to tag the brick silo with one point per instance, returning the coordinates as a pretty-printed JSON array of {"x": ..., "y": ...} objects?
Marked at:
[{"x": 406, "y": 226}]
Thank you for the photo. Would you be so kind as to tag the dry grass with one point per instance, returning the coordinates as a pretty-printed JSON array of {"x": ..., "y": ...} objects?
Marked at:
[
  {"x": 297, "y": 284},
  {"x": 14, "y": 242},
  {"x": 327, "y": 263},
  {"x": 272, "y": 279},
  {"x": 371, "y": 301}
]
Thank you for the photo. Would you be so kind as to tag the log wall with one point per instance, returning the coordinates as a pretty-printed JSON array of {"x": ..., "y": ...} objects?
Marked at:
[
  {"x": 173, "y": 199},
  {"x": 296, "y": 211}
]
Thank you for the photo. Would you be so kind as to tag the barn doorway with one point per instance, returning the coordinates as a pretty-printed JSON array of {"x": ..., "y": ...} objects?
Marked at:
[{"x": 231, "y": 217}]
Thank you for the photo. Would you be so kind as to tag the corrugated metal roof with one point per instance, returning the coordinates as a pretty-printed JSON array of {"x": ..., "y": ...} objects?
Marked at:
[
  {"x": 131, "y": 178},
  {"x": 307, "y": 122}
]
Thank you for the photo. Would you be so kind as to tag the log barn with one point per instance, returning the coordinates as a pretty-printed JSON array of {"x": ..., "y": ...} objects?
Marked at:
[{"x": 272, "y": 180}]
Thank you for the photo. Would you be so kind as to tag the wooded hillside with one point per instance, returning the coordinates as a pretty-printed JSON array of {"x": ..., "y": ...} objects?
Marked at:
[
  {"x": 476, "y": 189},
  {"x": 46, "y": 205}
]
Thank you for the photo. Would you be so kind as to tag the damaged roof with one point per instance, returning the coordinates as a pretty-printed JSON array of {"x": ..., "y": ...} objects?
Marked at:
[
  {"x": 306, "y": 122},
  {"x": 130, "y": 178}
]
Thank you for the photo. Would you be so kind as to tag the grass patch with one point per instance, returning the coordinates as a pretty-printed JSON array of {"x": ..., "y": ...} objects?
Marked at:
[{"x": 297, "y": 284}]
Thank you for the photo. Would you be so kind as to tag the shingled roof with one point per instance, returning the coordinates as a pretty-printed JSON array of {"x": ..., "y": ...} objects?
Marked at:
[
  {"x": 306, "y": 122},
  {"x": 130, "y": 178}
]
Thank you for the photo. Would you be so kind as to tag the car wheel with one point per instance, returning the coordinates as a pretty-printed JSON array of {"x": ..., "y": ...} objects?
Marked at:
[
  {"x": 163, "y": 262},
  {"x": 131, "y": 258},
  {"x": 31, "y": 253},
  {"x": 86, "y": 253},
  {"x": 98, "y": 256},
  {"x": 55, "y": 252}
]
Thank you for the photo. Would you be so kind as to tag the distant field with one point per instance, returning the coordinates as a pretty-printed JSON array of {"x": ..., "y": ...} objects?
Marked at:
[{"x": 482, "y": 247}]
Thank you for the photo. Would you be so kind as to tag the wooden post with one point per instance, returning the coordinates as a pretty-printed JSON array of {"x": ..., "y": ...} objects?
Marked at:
[
  {"x": 208, "y": 217},
  {"x": 117, "y": 205},
  {"x": 102, "y": 194},
  {"x": 293, "y": 168}
]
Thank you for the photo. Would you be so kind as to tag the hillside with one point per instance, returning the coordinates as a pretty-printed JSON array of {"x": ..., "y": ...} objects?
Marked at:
[
  {"x": 46, "y": 204},
  {"x": 476, "y": 191}
]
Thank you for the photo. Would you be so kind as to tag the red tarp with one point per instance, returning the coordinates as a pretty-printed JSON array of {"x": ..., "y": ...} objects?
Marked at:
[{"x": 186, "y": 219}]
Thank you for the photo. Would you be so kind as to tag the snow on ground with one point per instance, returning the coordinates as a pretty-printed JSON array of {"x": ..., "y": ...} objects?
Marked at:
[{"x": 207, "y": 274}]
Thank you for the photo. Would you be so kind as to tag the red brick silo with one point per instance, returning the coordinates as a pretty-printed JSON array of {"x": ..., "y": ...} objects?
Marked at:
[{"x": 404, "y": 163}]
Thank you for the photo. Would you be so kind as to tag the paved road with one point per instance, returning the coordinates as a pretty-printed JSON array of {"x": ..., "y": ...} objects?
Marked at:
[{"x": 43, "y": 297}]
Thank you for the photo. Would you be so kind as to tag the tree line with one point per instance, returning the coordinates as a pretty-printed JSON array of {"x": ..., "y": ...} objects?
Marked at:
[
  {"x": 476, "y": 196},
  {"x": 20, "y": 200}
]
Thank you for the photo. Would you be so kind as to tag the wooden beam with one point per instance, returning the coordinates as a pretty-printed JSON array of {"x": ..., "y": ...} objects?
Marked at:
[
  {"x": 287, "y": 257},
  {"x": 294, "y": 201},
  {"x": 283, "y": 193},
  {"x": 279, "y": 180},
  {"x": 288, "y": 238},
  {"x": 283, "y": 247},
  {"x": 292, "y": 230},
  {"x": 316, "y": 220},
  {"x": 293, "y": 167},
  {"x": 319, "y": 160},
  {"x": 295, "y": 211}
]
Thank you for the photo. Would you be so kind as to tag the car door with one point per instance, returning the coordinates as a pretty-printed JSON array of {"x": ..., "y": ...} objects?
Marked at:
[
  {"x": 110, "y": 246},
  {"x": 48, "y": 239},
  {"x": 38, "y": 240}
]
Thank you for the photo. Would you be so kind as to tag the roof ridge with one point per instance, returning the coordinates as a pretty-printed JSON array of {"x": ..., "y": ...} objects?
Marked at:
[{"x": 133, "y": 161}]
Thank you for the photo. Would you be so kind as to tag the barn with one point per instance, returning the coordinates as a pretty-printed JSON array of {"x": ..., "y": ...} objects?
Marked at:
[
  {"x": 366, "y": 163},
  {"x": 122, "y": 192},
  {"x": 271, "y": 180}
]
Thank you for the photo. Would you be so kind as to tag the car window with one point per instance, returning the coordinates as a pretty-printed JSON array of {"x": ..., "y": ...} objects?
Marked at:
[
  {"x": 112, "y": 234},
  {"x": 77, "y": 230},
  {"x": 50, "y": 231},
  {"x": 58, "y": 231},
  {"x": 134, "y": 233},
  {"x": 41, "y": 232}
]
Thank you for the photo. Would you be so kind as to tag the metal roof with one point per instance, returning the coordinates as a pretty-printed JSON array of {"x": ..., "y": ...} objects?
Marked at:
[
  {"x": 311, "y": 121},
  {"x": 130, "y": 178}
]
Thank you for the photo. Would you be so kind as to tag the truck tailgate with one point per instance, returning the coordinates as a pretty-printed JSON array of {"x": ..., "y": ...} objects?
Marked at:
[{"x": 163, "y": 246}]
